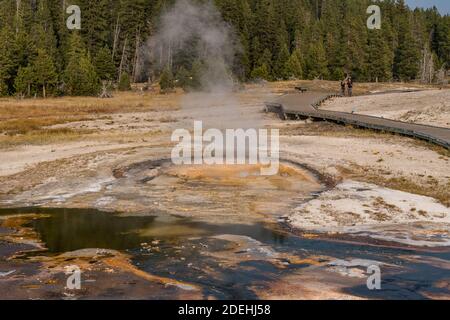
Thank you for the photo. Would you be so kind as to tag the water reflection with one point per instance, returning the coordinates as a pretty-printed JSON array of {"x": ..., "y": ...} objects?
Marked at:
[
  {"x": 64, "y": 230},
  {"x": 185, "y": 250}
]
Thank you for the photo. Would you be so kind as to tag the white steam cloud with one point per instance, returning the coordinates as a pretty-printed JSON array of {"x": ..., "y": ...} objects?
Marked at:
[{"x": 190, "y": 31}]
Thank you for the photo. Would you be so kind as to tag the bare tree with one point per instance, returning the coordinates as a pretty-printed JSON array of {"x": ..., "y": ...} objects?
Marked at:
[
  {"x": 63, "y": 11},
  {"x": 18, "y": 17},
  {"x": 122, "y": 60},
  {"x": 116, "y": 37},
  {"x": 106, "y": 92},
  {"x": 136, "y": 55},
  {"x": 427, "y": 66},
  {"x": 441, "y": 76}
]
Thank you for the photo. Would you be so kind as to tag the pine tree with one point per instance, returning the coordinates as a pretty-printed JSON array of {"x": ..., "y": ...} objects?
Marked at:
[
  {"x": 42, "y": 34},
  {"x": 330, "y": 38},
  {"x": 333, "y": 18},
  {"x": 166, "y": 82},
  {"x": 316, "y": 61},
  {"x": 97, "y": 21},
  {"x": 104, "y": 64},
  {"x": 134, "y": 27},
  {"x": 183, "y": 79},
  {"x": 407, "y": 59},
  {"x": 255, "y": 53},
  {"x": 24, "y": 81},
  {"x": 238, "y": 13},
  {"x": 124, "y": 82},
  {"x": 7, "y": 13},
  {"x": 266, "y": 25},
  {"x": 196, "y": 74},
  {"x": 293, "y": 67},
  {"x": 44, "y": 72},
  {"x": 8, "y": 62},
  {"x": 265, "y": 59},
  {"x": 281, "y": 62},
  {"x": 261, "y": 72},
  {"x": 407, "y": 55},
  {"x": 442, "y": 40},
  {"x": 79, "y": 76},
  {"x": 24, "y": 51},
  {"x": 379, "y": 57},
  {"x": 355, "y": 39}
]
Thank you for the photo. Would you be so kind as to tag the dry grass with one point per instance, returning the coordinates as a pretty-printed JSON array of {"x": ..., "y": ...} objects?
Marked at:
[
  {"x": 434, "y": 190},
  {"x": 445, "y": 153},
  {"x": 24, "y": 126},
  {"x": 329, "y": 129},
  {"x": 85, "y": 106},
  {"x": 28, "y": 121},
  {"x": 334, "y": 86},
  {"x": 430, "y": 188},
  {"x": 42, "y": 136},
  {"x": 59, "y": 135}
]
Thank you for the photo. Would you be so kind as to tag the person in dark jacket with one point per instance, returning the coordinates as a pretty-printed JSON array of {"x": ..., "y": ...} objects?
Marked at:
[
  {"x": 343, "y": 85},
  {"x": 350, "y": 86}
]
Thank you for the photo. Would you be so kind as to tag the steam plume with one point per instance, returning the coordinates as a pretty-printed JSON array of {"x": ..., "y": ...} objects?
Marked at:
[{"x": 195, "y": 31}]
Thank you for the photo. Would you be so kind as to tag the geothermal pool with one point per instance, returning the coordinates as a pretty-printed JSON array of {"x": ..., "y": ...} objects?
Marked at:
[
  {"x": 220, "y": 230},
  {"x": 228, "y": 261}
]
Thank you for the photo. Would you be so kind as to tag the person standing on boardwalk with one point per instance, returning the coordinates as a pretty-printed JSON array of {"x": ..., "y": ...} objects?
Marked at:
[
  {"x": 343, "y": 85},
  {"x": 350, "y": 86}
]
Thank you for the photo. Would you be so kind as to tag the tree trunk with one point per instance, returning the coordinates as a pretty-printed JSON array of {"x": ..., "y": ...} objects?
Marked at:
[
  {"x": 136, "y": 56},
  {"x": 43, "y": 91},
  {"x": 63, "y": 11},
  {"x": 122, "y": 60},
  {"x": 116, "y": 37},
  {"x": 17, "y": 15}
]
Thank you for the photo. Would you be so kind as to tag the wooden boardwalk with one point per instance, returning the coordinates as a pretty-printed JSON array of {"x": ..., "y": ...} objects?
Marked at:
[{"x": 305, "y": 105}]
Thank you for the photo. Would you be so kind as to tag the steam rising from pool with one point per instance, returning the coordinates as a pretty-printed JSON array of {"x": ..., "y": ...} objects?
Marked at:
[{"x": 196, "y": 32}]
